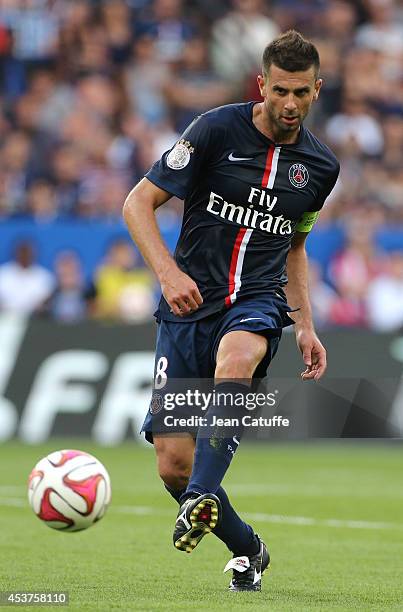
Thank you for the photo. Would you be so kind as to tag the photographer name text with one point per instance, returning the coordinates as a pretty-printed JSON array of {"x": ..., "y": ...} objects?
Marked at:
[{"x": 246, "y": 421}]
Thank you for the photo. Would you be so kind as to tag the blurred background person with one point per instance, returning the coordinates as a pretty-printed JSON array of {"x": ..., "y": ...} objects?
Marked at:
[
  {"x": 322, "y": 296},
  {"x": 355, "y": 129},
  {"x": 194, "y": 87},
  {"x": 24, "y": 284},
  {"x": 168, "y": 23},
  {"x": 385, "y": 296},
  {"x": 123, "y": 289},
  {"x": 71, "y": 299},
  {"x": 238, "y": 39},
  {"x": 41, "y": 201},
  {"x": 351, "y": 270},
  {"x": 15, "y": 153},
  {"x": 383, "y": 31}
]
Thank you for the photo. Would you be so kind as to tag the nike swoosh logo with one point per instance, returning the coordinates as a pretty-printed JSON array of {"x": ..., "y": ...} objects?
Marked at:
[
  {"x": 251, "y": 319},
  {"x": 232, "y": 158},
  {"x": 257, "y": 577},
  {"x": 182, "y": 517}
]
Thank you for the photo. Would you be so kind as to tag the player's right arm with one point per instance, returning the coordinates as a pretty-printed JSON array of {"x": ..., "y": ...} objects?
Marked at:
[{"x": 179, "y": 290}]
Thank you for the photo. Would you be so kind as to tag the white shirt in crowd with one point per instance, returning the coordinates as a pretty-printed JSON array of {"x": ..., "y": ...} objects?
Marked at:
[
  {"x": 23, "y": 290},
  {"x": 385, "y": 304}
]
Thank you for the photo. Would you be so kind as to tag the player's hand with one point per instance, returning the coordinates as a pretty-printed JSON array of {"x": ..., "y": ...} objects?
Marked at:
[
  {"x": 313, "y": 354},
  {"x": 181, "y": 292}
]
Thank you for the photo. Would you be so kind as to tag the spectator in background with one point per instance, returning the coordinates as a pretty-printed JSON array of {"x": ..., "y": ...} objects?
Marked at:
[
  {"x": 355, "y": 129},
  {"x": 165, "y": 21},
  {"x": 294, "y": 14},
  {"x": 348, "y": 309},
  {"x": 322, "y": 296},
  {"x": 35, "y": 28},
  {"x": 41, "y": 201},
  {"x": 92, "y": 52},
  {"x": 142, "y": 143},
  {"x": 90, "y": 129},
  {"x": 113, "y": 188},
  {"x": 25, "y": 114},
  {"x": 385, "y": 296},
  {"x": 76, "y": 16},
  {"x": 15, "y": 153},
  {"x": 338, "y": 20},
  {"x": 116, "y": 19},
  {"x": 391, "y": 195},
  {"x": 12, "y": 72},
  {"x": 66, "y": 168},
  {"x": 361, "y": 67},
  {"x": 194, "y": 87},
  {"x": 25, "y": 286},
  {"x": 123, "y": 290},
  {"x": 383, "y": 33},
  {"x": 238, "y": 40},
  {"x": 148, "y": 100},
  {"x": 393, "y": 142},
  {"x": 70, "y": 301},
  {"x": 53, "y": 98},
  {"x": 330, "y": 69},
  {"x": 351, "y": 271}
]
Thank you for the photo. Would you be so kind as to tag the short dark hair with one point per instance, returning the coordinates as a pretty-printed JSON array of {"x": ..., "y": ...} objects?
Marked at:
[{"x": 291, "y": 52}]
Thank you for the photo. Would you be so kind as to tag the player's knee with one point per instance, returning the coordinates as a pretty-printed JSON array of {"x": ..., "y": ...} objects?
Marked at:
[
  {"x": 174, "y": 471},
  {"x": 238, "y": 363}
]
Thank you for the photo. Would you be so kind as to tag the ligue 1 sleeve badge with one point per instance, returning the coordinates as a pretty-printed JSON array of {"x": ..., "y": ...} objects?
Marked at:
[
  {"x": 298, "y": 175},
  {"x": 179, "y": 157}
]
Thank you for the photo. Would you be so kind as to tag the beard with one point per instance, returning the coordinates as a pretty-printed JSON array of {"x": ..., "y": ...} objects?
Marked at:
[{"x": 281, "y": 126}]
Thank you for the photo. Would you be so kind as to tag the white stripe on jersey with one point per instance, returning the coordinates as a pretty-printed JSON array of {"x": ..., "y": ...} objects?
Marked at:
[
  {"x": 273, "y": 170},
  {"x": 239, "y": 264}
]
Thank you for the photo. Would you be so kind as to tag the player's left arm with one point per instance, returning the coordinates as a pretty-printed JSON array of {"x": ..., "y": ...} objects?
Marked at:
[{"x": 313, "y": 352}]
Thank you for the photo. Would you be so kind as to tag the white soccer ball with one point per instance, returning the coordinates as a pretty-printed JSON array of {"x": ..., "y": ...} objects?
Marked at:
[{"x": 69, "y": 490}]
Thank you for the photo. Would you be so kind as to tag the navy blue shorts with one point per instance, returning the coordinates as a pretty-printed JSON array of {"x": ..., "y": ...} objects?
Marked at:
[{"x": 188, "y": 350}]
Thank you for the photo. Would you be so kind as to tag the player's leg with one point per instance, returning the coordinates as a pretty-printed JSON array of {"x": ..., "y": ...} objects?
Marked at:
[
  {"x": 174, "y": 462},
  {"x": 196, "y": 517},
  {"x": 177, "y": 361},
  {"x": 239, "y": 354}
]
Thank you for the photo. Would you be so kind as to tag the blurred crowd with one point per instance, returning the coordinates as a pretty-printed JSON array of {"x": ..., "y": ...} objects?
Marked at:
[
  {"x": 92, "y": 93},
  {"x": 121, "y": 290}
]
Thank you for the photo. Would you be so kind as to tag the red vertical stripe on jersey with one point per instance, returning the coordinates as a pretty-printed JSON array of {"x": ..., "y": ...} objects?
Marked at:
[
  {"x": 269, "y": 161},
  {"x": 234, "y": 261}
]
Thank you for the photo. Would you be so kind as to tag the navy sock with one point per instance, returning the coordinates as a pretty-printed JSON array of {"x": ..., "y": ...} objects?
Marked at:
[
  {"x": 175, "y": 494},
  {"x": 237, "y": 535},
  {"x": 216, "y": 443}
]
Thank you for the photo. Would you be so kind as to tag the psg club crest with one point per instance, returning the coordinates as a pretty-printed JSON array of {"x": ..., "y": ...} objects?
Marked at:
[
  {"x": 157, "y": 403},
  {"x": 298, "y": 175},
  {"x": 179, "y": 157}
]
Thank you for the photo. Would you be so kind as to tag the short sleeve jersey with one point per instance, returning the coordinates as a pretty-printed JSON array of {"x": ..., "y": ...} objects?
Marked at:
[{"x": 244, "y": 199}]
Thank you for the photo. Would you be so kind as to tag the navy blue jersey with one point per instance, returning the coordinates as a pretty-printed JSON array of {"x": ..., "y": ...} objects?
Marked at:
[{"x": 245, "y": 197}]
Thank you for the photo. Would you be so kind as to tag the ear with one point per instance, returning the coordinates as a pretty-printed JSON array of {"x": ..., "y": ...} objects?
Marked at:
[
  {"x": 318, "y": 85},
  {"x": 262, "y": 85}
]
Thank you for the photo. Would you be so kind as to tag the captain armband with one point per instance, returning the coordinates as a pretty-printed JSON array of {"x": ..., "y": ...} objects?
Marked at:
[{"x": 307, "y": 221}]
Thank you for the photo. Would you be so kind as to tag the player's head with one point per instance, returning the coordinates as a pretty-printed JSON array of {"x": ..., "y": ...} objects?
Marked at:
[{"x": 290, "y": 80}]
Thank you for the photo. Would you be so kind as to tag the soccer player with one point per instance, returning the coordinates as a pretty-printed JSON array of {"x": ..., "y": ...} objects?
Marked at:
[{"x": 253, "y": 179}]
